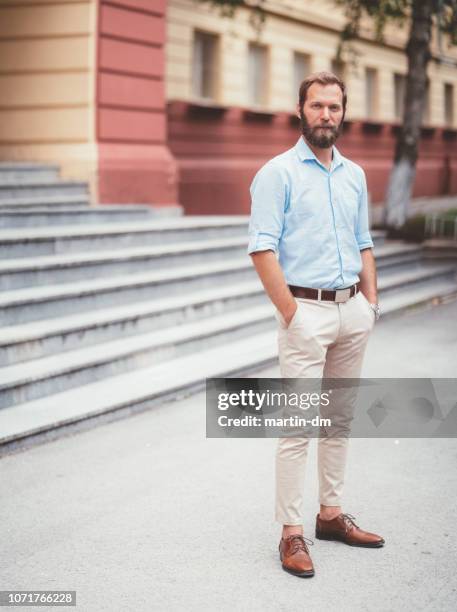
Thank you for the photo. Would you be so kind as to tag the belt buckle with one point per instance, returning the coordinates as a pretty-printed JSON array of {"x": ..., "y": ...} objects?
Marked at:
[{"x": 342, "y": 295}]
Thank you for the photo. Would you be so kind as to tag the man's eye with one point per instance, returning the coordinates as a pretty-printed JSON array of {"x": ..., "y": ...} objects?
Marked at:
[{"x": 334, "y": 108}]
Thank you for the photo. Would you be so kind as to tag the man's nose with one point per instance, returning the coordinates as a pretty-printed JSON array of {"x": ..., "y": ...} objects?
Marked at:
[{"x": 325, "y": 114}]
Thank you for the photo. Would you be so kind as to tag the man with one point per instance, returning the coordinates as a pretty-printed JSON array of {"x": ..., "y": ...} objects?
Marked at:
[{"x": 309, "y": 206}]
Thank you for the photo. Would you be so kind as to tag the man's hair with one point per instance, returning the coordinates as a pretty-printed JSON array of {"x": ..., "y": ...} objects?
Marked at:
[{"x": 323, "y": 78}]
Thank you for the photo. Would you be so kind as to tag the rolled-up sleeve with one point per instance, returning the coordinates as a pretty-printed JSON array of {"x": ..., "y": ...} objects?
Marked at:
[
  {"x": 268, "y": 200},
  {"x": 363, "y": 235}
]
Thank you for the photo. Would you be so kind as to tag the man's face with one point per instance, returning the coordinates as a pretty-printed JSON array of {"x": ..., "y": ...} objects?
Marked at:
[{"x": 322, "y": 115}]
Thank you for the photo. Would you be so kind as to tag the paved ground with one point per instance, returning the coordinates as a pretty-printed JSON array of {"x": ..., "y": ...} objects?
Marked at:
[{"x": 147, "y": 514}]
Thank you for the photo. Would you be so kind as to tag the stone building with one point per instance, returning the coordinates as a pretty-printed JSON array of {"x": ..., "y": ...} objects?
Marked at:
[{"x": 167, "y": 101}]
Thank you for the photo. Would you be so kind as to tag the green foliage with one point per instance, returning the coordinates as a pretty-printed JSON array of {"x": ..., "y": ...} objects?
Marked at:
[
  {"x": 451, "y": 213},
  {"x": 448, "y": 19},
  {"x": 399, "y": 11},
  {"x": 228, "y": 8},
  {"x": 380, "y": 11},
  {"x": 413, "y": 230},
  {"x": 444, "y": 225}
]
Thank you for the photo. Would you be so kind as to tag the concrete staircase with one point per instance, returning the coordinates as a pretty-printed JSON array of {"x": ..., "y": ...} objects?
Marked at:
[{"x": 108, "y": 310}]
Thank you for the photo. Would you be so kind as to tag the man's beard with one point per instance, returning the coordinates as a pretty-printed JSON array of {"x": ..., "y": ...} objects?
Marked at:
[{"x": 318, "y": 137}]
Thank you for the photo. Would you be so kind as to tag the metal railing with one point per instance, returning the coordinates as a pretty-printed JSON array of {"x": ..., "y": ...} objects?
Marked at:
[{"x": 438, "y": 225}]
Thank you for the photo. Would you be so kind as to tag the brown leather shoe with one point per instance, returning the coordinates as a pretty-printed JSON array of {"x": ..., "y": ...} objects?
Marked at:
[
  {"x": 343, "y": 529},
  {"x": 294, "y": 556}
]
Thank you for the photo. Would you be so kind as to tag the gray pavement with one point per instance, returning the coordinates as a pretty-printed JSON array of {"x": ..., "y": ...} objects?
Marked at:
[{"x": 147, "y": 514}]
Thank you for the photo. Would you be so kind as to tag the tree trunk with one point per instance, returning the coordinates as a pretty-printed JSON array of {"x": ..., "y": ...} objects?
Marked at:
[{"x": 402, "y": 176}]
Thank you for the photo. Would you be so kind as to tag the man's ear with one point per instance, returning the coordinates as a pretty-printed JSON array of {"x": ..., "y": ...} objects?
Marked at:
[{"x": 297, "y": 111}]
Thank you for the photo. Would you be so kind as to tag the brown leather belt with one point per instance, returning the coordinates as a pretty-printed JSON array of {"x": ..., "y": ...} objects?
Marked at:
[{"x": 330, "y": 295}]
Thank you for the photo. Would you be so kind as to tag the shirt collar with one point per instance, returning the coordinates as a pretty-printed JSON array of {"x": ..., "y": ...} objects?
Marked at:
[{"x": 304, "y": 153}]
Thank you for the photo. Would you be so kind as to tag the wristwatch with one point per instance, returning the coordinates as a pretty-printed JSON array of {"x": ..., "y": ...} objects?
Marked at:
[{"x": 377, "y": 311}]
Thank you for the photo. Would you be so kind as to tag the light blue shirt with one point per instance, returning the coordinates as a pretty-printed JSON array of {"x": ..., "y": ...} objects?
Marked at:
[{"x": 316, "y": 219}]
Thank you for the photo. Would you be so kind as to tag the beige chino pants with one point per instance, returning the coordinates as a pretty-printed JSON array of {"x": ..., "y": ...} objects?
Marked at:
[{"x": 324, "y": 339}]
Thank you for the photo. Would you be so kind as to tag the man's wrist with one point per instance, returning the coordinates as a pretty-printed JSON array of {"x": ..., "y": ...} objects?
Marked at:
[
  {"x": 289, "y": 314},
  {"x": 371, "y": 296}
]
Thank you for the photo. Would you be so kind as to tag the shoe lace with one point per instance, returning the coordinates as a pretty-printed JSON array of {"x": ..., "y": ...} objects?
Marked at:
[
  {"x": 298, "y": 542},
  {"x": 349, "y": 520}
]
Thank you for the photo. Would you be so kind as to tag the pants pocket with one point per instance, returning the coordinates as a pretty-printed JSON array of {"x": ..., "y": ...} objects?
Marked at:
[
  {"x": 368, "y": 307},
  {"x": 292, "y": 322}
]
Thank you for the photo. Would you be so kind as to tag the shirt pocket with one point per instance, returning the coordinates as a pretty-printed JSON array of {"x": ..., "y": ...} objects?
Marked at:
[
  {"x": 348, "y": 205},
  {"x": 307, "y": 215},
  {"x": 304, "y": 200}
]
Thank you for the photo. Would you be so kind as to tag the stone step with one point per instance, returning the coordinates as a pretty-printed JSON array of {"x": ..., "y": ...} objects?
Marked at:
[
  {"x": 20, "y": 188},
  {"x": 49, "y": 269},
  {"x": 25, "y": 341},
  {"x": 70, "y": 215},
  {"x": 125, "y": 394},
  {"x": 35, "y": 339},
  {"x": 18, "y": 171},
  {"x": 42, "y": 377},
  {"x": 46, "y": 203},
  {"x": 32, "y": 304},
  {"x": 158, "y": 211},
  {"x": 396, "y": 254},
  {"x": 417, "y": 296},
  {"x": 139, "y": 390},
  {"x": 378, "y": 237},
  {"x": 403, "y": 280},
  {"x": 52, "y": 269},
  {"x": 35, "y": 303},
  {"x": 26, "y": 242}
]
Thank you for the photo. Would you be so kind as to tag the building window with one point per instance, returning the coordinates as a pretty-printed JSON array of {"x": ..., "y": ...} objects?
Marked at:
[
  {"x": 399, "y": 92},
  {"x": 371, "y": 93},
  {"x": 258, "y": 75},
  {"x": 448, "y": 104},
  {"x": 426, "y": 116},
  {"x": 302, "y": 68},
  {"x": 204, "y": 77},
  {"x": 339, "y": 69},
  {"x": 400, "y": 95}
]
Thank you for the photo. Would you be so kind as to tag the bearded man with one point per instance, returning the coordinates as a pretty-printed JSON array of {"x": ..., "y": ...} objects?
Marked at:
[{"x": 310, "y": 243}]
